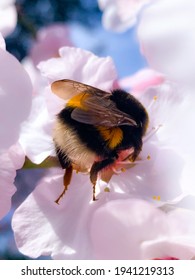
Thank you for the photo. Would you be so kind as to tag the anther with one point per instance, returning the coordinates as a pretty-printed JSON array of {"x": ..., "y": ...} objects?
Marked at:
[
  {"x": 152, "y": 102},
  {"x": 106, "y": 189}
]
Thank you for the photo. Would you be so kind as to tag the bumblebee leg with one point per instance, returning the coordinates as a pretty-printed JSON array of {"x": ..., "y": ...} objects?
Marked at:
[
  {"x": 67, "y": 180},
  {"x": 96, "y": 167}
]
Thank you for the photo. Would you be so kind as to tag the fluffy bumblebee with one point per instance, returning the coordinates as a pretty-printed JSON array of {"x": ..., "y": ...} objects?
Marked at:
[{"x": 96, "y": 128}]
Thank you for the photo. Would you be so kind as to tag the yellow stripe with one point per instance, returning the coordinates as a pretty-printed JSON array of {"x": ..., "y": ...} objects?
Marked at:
[
  {"x": 77, "y": 101},
  {"x": 112, "y": 135}
]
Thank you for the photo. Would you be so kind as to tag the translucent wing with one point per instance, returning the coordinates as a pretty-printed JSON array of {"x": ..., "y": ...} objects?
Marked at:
[
  {"x": 101, "y": 111},
  {"x": 67, "y": 89}
]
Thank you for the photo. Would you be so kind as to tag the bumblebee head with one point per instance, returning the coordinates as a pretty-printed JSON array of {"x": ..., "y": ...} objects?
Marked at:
[{"x": 127, "y": 103}]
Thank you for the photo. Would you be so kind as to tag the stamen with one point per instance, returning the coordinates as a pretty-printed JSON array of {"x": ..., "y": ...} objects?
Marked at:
[
  {"x": 116, "y": 171},
  {"x": 150, "y": 133},
  {"x": 123, "y": 169},
  {"x": 152, "y": 102},
  {"x": 106, "y": 189},
  {"x": 156, "y": 197},
  {"x": 129, "y": 162}
]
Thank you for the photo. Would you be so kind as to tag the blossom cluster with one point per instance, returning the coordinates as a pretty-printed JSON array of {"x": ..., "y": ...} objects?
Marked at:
[{"x": 145, "y": 209}]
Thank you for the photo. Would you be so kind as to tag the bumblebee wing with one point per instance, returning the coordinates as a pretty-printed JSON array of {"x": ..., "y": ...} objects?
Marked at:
[
  {"x": 67, "y": 89},
  {"x": 101, "y": 111}
]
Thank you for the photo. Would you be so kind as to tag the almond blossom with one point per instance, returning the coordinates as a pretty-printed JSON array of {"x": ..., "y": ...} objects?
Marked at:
[
  {"x": 158, "y": 175},
  {"x": 8, "y": 16},
  {"x": 119, "y": 15}
]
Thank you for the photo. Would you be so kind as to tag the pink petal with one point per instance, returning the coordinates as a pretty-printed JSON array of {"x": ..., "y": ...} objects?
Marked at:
[
  {"x": 15, "y": 98},
  {"x": 8, "y": 17},
  {"x": 36, "y": 133},
  {"x": 134, "y": 229},
  {"x": 49, "y": 40},
  {"x": 179, "y": 242},
  {"x": 2, "y": 42},
  {"x": 79, "y": 65},
  {"x": 167, "y": 38},
  {"x": 142, "y": 80},
  {"x": 119, "y": 227},
  {"x": 9, "y": 161},
  {"x": 59, "y": 230}
]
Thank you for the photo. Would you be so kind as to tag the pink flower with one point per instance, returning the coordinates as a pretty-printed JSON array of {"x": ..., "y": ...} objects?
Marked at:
[
  {"x": 158, "y": 176},
  {"x": 8, "y": 16},
  {"x": 119, "y": 15},
  {"x": 49, "y": 40},
  {"x": 166, "y": 35}
]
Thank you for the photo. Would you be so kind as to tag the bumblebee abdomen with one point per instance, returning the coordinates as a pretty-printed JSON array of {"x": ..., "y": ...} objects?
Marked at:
[
  {"x": 78, "y": 138},
  {"x": 71, "y": 147},
  {"x": 112, "y": 135}
]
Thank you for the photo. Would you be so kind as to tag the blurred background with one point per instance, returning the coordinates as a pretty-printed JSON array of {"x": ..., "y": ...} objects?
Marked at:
[{"x": 82, "y": 19}]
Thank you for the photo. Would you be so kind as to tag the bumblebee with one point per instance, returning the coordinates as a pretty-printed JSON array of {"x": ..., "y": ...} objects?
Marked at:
[{"x": 95, "y": 128}]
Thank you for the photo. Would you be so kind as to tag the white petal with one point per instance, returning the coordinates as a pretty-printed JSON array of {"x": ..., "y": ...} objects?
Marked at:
[
  {"x": 119, "y": 15},
  {"x": 119, "y": 227},
  {"x": 15, "y": 98},
  {"x": 42, "y": 227},
  {"x": 36, "y": 132},
  {"x": 8, "y": 21},
  {"x": 134, "y": 229},
  {"x": 167, "y": 38},
  {"x": 10, "y": 160},
  {"x": 2, "y": 42},
  {"x": 82, "y": 66},
  {"x": 180, "y": 240}
]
